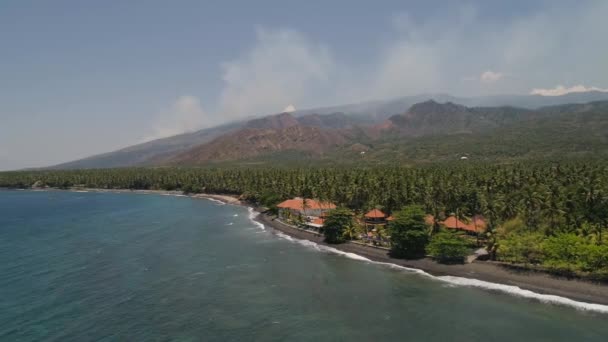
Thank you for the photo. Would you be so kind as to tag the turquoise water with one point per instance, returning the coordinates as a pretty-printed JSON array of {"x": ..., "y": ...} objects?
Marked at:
[{"x": 133, "y": 267}]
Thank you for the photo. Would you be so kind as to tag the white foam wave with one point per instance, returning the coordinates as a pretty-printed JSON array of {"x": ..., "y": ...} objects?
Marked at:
[
  {"x": 322, "y": 248},
  {"x": 516, "y": 291},
  {"x": 235, "y": 215},
  {"x": 460, "y": 281},
  {"x": 216, "y": 201},
  {"x": 230, "y": 224},
  {"x": 252, "y": 215},
  {"x": 284, "y": 236}
]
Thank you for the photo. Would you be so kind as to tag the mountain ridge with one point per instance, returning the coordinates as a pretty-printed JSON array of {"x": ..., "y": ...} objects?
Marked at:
[{"x": 367, "y": 122}]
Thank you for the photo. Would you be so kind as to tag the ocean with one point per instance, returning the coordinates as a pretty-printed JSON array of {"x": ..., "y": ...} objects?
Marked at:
[{"x": 86, "y": 266}]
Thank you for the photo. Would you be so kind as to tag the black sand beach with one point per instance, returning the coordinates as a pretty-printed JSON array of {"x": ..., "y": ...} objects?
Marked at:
[{"x": 578, "y": 290}]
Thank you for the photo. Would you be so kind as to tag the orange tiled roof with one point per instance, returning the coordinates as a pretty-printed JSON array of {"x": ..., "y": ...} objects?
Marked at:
[
  {"x": 375, "y": 214},
  {"x": 318, "y": 220},
  {"x": 302, "y": 204},
  {"x": 476, "y": 225},
  {"x": 390, "y": 218}
]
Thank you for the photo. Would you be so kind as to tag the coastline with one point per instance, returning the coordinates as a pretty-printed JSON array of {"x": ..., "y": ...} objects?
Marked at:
[
  {"x": 540, "y": 283},
  {"x": 574, "y": 292},
  {"x": 226, "y": 199}
]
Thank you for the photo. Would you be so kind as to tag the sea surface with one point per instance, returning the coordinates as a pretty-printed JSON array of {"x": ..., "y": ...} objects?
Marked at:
[{"x": 134, "y": 267}]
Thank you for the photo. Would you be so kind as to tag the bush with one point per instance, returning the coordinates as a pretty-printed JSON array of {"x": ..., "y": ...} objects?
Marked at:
[
  {"x": 594, "y": 258},
  {"x": 564, "y": 254},
  {"x": 561, "y": 252},
  {"x": 447, "y": 247},
  {"x": 521, "y": 248}
]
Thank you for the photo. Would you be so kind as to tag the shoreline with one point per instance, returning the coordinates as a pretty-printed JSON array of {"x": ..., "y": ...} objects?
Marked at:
[
  {"x": 540, "y": 283},
  {"x": 226, "y": 199},
  {"x": 477, "y": 273}
]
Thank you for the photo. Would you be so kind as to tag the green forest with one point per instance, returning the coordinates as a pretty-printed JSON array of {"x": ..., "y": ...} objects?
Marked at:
[{"x": 552, "y": 215}]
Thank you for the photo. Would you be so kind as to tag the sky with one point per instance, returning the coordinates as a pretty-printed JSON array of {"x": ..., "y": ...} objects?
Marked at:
[{"x": 79, "y": 78}]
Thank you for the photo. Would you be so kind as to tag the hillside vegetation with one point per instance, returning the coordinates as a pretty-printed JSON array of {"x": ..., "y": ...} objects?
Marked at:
[{"x": 378, "y": 127}]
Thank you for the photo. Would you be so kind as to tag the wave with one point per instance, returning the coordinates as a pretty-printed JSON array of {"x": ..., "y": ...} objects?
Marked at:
[
  {"x": 323, "y": 248},
  {"x": 459, "y": 281},
  {"x": 252, "y": 215},
  {"x": 517, "y": 291},
  {"x": 214, "y": 200}
]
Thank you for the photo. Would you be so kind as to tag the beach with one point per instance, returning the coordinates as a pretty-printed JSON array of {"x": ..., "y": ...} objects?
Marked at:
[{"x": 540, "y": 283}]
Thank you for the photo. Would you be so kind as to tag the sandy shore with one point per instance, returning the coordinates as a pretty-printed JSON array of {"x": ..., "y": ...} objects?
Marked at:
[
  {"x": 578, "y": 290},
  {"x": 228, "y": 199},
  {"x": 222, "y": 198}
]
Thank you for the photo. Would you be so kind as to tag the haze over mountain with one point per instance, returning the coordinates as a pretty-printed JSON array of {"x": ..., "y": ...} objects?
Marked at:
[
  {"x": 79, "y": 80},
  {"x": 317, "y": 133}
]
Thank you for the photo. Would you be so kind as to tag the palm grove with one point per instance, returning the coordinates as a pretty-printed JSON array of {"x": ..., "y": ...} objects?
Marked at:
[{"x": 552, "y": 215}]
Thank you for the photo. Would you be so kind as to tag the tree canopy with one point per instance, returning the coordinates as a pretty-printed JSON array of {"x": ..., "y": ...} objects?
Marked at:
[
  {"x": 336, "y": 224},
  {"x": 448, "y": 247},
  {"x": 409, "y": 232}
]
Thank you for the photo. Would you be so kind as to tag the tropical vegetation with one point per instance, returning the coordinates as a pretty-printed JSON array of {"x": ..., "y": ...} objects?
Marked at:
[
  {"x": 338, "y": 225},
  {"x": 409, "y": 232},
  {"x": 448, "y": 247},
  {"x": 530, "y": 208}
]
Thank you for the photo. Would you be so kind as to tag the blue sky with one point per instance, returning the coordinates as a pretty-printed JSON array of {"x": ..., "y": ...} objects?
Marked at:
[{"x": 84, "y": 77}]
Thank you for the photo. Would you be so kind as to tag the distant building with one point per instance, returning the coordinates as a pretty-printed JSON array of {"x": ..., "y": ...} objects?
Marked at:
[
  {"x": 305, "y": 209},
  {"x": 376, "y": 218},
  {"x": 476, "y": 224}
]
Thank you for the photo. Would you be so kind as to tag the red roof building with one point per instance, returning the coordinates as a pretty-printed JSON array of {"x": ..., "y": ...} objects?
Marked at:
[
  {"x": 375, "y": 214},
  {"x": 475, "y": 225},
  {"x": 302, "y": 204},
  {"x": 303, "y": 207}
]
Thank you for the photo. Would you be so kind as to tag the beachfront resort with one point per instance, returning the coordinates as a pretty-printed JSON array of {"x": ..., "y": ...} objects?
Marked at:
[{"x": 371, "y": 227}]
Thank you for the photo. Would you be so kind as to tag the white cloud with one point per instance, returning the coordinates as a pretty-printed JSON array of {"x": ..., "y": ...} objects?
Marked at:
[
  {"x": 490, "y": 76},
  {"x": 561, "y": 90},
  {"x": 406, "y": 67},
  {"x": 282, "y": 67},
  {"x": 433, "y": 55},
  {"x": 186, "y": 114},
  {"x": 289, "y": 109}
]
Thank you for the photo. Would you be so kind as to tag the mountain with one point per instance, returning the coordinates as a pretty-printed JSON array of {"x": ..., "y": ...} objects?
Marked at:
[
  {"x": 375, "y": 111},
  {"x": 151, "y": 152},
  {"x": 279, "y": 121},
  {"x": 427, "y": 132},
  {"x": 412, "y": 116},
  {"x": 554, "y": 132},
  {"x": 333, "y": 120},
  {"x": 249, "y": 143},
  {"x": 311, "y": 135},
  {"x": 433, "y": 118}
]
